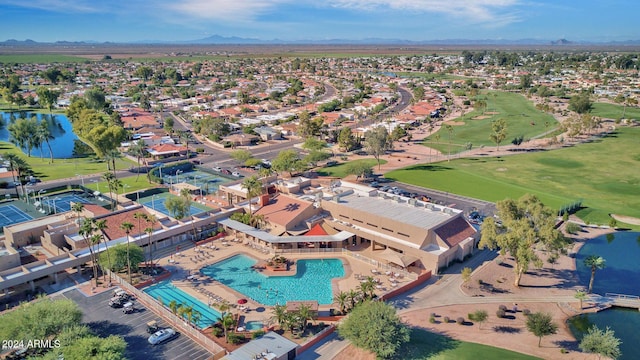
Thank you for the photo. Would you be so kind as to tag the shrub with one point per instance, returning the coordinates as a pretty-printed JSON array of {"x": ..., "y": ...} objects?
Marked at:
[
  {"x": 446, "y": 319},
  {"x": 501, "y": 313},
  {"x": 235, "y": 338},
  {"x": 526, "y": 312},
  {"x": 433, "y": 315},
  {"x": 257, "y": 334},
  {"x": 217, "y": 332},
  {"x": 432, "y": 319},
  {"x": 572, "y": 228},
  {"x": 564, "y": 351},
  {"x": 460, "y": 320},
  {"x": 480, "y": 282},
  {"x": 470, "y": 316},
  {"x": 502, "y": 307}
]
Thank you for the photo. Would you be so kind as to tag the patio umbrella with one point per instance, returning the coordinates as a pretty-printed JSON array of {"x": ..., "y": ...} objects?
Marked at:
[{"x": 242, "y": 301}]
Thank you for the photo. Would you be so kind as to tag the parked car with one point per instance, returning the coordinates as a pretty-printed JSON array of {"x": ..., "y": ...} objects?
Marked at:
[
  {"x": 384, "y": 188},
  {"x": 236, "y": 174},
  {"x": 226, "y": 172},
  {"x": 217, "y": 168},
  {"x": 161, "y": 336},
  {"x": 374, "y": 184},
  {"x": 117, "y": 302},
  {"x": 128, "y": 308}
]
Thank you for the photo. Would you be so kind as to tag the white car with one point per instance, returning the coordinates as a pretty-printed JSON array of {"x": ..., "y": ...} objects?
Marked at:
[
  {"x": 217, "y": 168},
  {"x": 236, "y": 174},
  {"x": 161, "y": 336}
]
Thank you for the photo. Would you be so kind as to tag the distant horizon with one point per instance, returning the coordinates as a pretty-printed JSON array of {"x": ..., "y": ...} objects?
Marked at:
[{"x": 176, "y": 21}]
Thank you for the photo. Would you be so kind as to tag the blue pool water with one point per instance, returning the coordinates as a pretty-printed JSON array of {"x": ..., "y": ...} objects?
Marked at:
[
  {"x": 622, "y": 272},
  {"x": 624, "y": 322},
  {"x": 60, "y": 127},
  {"x": 167, "y": 292},
  {"x": 253, "y": 325},
  {"x": 311, "y": 282}
]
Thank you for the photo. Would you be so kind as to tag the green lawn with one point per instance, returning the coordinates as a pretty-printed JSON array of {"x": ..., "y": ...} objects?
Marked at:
[
  {"x": 40, "y": 59},
  {"x": 340, "y": 170},
  {"x": 129, "y": 184},
  {"x": 63, "y": 168},
  {"x": 521, "y": 116},
  {"x": 425, "y": 345},
  {"x": 603, "y": 173},
  {"x": 613, "y": 111}
]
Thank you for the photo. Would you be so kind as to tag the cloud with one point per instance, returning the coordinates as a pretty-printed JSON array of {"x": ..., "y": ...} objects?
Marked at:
[
  {"x": 60, "y": 6},
  {"x": 225, "y": 10},
  {"x": 481, "y": 11}
]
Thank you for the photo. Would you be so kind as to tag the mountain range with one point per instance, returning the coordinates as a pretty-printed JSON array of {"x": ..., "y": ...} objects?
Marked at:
[{"x": 233, "y": 40}]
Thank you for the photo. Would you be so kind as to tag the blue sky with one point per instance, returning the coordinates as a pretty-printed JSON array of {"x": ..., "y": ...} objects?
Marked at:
[{"x": 181, "y": 20}]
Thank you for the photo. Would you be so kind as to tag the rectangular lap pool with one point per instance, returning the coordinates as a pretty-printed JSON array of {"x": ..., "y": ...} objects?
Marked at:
[
  {"x": 311, "y": 282},
  {"x": 166, "y": 291}
]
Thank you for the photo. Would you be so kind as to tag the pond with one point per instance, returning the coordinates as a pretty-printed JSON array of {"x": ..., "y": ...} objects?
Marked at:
[
  {"x": 621, "y": 275},
  {"x": 624, "y": 322},
  {"x": 63, "y": 141},
  {"x": 621, "y": 251}
]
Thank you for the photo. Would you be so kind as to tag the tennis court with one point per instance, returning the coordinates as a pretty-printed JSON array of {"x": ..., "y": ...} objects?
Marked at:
[
  {"x": 62, "y": 202},
  {"x": 156, "y": 202},
  {"x": 207, "y": 182},
  {"x": 9, "y": 215}
]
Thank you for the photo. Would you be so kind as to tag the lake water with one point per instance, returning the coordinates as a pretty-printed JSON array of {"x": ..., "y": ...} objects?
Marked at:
[
  {"x": 621, "y": 251},
  {"x": 60, "y": 127}
]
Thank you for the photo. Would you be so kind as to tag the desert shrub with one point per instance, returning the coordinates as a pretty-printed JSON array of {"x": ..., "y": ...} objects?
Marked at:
[
  {"x": 460, "y": 320},
  {"x": 446, "y": 319},
  {"x": 257, "y": 334},
  {"x": 564, "y": 351},
  {"x": 480, "y": 282},
  {"x": 235, "y": 338},
  {"x": 526, "y": 312},
  {"x": 217, "y": 332},
  {"x": 501, "y": 313},
  {"x": 572, "y": 228},
  {"x": 502, "y": 307},
  {"x": 432, "y": 319}
]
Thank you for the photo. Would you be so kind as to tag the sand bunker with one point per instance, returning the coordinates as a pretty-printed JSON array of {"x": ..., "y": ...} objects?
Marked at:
[{"x": 481, "y": 117}]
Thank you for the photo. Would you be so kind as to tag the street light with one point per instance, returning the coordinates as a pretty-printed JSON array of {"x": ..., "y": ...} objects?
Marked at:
[
  {"x": 81, "y": 179},
  {"x": 178, "y": 172},
  {"x": 153, "y": 202},
  {"x": 40, "y": 192},
  {"x": 55, "y": 209},
  {"x": 97, "y": 184}
]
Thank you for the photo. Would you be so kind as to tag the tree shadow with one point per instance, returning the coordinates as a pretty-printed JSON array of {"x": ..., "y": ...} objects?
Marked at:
[
  {"x": 425, "y": 344},
  {"x": 507, "y": 329},
  {"x": 106, "y": 328}
]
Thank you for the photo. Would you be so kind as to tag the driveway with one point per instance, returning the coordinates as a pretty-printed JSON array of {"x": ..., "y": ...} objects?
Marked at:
[{"x": 104, "y": 321}]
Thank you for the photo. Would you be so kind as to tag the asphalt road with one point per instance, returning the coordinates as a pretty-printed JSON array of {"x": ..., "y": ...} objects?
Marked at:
[{"x": 105, "y": 320}]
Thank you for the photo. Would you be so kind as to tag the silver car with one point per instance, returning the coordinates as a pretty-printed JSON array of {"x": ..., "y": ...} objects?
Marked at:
[{"x": 162, "y": 336}]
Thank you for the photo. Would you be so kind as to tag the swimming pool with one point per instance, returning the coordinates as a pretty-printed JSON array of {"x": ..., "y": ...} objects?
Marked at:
[
  {"x": 253, "y": 325},
  {"x": 166, "y": 291},
  {"x": 311, "y": 282}
]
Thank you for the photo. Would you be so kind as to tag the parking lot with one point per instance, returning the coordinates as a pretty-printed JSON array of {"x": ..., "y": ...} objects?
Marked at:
[{"x": 105, "y": 320}]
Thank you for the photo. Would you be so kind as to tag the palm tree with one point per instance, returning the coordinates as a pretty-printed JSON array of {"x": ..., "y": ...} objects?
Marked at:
[
  {"x": 77, "y": 208},
  {"x": 353, "y": 297},
  {"x": 139, "y": 216},
  {"x": 101, "y": 225},
  {"x": 14, "y": 161},
  {"x": 86, "y": 231},
  {"x": 227, "y": 321},
  {"x": 127, "y": 226},
  {"x": 341, "y": 298},
  {"x": 594, "y": 262},
  {"x": 581, "y": 296},
  {"x": 305, "y": 313},
  {"x": 110, "y": 157},
  {"x": 368, "y": 287},
  {"x": 279, "y": 314},
  {"x": 44, "y": 135},
  {"x": 150, "y": 219},
  {"x": 449, "y": 129},
  {"x": 139, "y": 150},
  {"x": 185, "y": 137},
  {"x": 173, "y": 306},
  {"x": 186, "y": 195},
  {"x": 253, "y": 186},
  {"x": 108, "y": 177}
]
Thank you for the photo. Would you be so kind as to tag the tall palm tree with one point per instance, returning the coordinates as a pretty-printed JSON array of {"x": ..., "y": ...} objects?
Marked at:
[
  {"x": 110, "y": 157},
  {"x": 449, "y": 129},
  {"x": 594, "y": 262},
  {"x": 77, "y": 208},
  {"x": 101, "y": 225},
  {"x": 253, "y": 186},
  {"x": 86, "y": 231},
  {"x": 185, "y": 194},
  {"x": 108, "y": 177},
  {"x": 353, "y": 297},
  {"x": 185, "y": 137},
  {"x": 368, "y": 287},
  {"x": 15, "y": 164},
  {"x": 305, "y": 313},
  {"x": 127, "y": 226},
  {"x": 173, "y": 306},
  {"x": 150, "y": 219},
  {"x": 139, "y": 150}
]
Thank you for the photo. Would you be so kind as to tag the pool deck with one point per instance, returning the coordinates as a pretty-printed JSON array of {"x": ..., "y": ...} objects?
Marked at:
[{"x": 186, "y": 276}]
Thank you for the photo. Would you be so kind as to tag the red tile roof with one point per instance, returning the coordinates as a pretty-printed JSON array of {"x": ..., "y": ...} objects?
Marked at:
[
  {"x": 316, "y": 230},
  {"x": 455, "y": 231},
  {"x": 282, "y": 209},
  {"x": 113, "y": 230}
]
